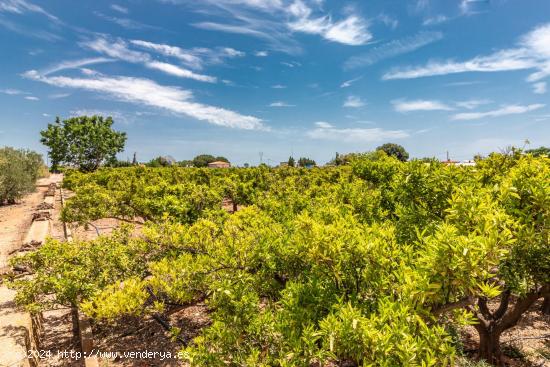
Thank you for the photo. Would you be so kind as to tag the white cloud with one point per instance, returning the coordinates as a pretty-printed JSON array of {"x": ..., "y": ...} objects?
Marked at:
[
  {"x": 392, "y": 49},
  {"x": 533, "y": 52},
  {"x": 12, "y": 92},
  {"x": 142, "y": 91},
  {"x": 323, "y": 124},
  {"x": 278, "y": 86},
  {"x": 539, "y": 88},
  {"x": 326, "y": 131},
  {"x": 291, "y": 64},
  {"x": 119, "y": 49},
  {"x": 351, "y": 31},
  {"x": 419, "y": 105},
  {"x": 120, "y": 9},
  {"x": 261, "y": 53},
  {"x": 125, "y": 22},
  {"x": 438, "y": 19},
  {"x": 280, "y": 104},
  {"x": 348, "y": 83},
  {"x": 178, "y": 71},
  {"x": 301, "y": 17},
  {"x": 59, "y": 95},
  {"x": 75, "y": 64},
  {"x": 353, "y": 102},
  {"x": 503, "y": 111},
  {"x": 470, "y": 7},
  {"x": 22, "y": 6},
  {"x": 196, "y": 57},
  {"x": 173, "y": 51},
  {"x": 472, "y": 103},
  {"x": 32, "y": 98}
]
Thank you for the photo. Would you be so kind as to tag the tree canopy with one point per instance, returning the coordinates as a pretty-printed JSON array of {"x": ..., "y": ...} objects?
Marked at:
[
  {"x": 537, "y": 152},
  {"x": 394, "y": 150},
  {"x": 19, "y": 170},
  {"x": 202, "y": 160},
  {"x": 85, "y": 142},
  {"x": 305, "y": 162}
]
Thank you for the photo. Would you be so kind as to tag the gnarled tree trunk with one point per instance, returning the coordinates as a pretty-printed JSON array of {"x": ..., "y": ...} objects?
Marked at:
[{"x": 491, "y": 324}]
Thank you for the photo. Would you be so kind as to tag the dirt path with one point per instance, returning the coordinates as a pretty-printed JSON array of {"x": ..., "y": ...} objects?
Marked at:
[{"x": 15, "y": 221}]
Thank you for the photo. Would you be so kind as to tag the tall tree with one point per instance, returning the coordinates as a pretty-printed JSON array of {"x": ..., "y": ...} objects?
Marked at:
[
  {"x": 291, "y": 162},
  {"x": 394, "y": 150},
  {"x": 84, "y": 142}
]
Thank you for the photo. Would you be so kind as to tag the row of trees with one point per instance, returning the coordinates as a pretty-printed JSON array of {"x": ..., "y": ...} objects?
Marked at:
[
  {"x": 88, "y": 142},
  {"x": 376, "y": 262},
  {"x": 19, "y": 170}
]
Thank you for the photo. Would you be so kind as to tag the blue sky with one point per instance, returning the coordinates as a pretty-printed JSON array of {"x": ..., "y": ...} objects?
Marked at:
[{"x": 281, "y": 77}]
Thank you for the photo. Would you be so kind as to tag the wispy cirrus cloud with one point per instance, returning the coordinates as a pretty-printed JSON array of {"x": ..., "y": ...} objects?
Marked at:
[
  {"x": 146, "y": 92},
  {"x": 472, "y": 103},
  {"x": 12, "y": 92},
  {"x": 262, "y": 19},
  {"x": 326, "y": 131},
  {"x": 28, "y": 32},
  {"x": 124, "y": 22},
  {"x": 532, "y": 53},
  {"x": 503, "y": 111},
  {"x": 435, "y": 20},
  {"x": 348, "y": 83},
  {"x": 392, "y": 49},
  {"x": 351, "y": 31},
  {"x": 419, "y": 105},
  {"x": 23, "y": 6},
  {"x": 195, "y": 57},
  {"x": 119, "y": 8},
  {"x": 280, "y": 104},
  {"x": 74, "y": 64},
  {"x": 118, "y": 49}
]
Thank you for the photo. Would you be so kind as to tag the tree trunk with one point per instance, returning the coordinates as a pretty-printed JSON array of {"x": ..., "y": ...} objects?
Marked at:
[
  {"x": 546, "y": 306},
  {"x": 489, "y": 345}
]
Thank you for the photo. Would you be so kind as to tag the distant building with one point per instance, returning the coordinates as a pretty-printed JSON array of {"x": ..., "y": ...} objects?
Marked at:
[
  {"x": 219, "y": 164},
  {"x": 459, "y": 163},
  {"x": 283, "y": 164}
]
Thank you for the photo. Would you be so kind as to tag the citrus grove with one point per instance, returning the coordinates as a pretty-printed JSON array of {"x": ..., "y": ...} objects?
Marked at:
[{"x": 374, "y": 263}]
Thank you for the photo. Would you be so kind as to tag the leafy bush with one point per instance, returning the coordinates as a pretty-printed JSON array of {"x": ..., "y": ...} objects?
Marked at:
[{"x": 19, "y": 170}]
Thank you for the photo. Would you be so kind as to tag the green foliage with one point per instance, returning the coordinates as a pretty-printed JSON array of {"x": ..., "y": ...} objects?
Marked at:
[
  {"x": 394, "y": 150},
  {"x": 202, "y": 160},
  {"x": 347, "y": 264},
  {"x": 306, "y": 162},
  {"x": 19, "y": 170},
  {"x": 291, "y": 161},
  {"x": 540, "y": 151},
  {"x": 158, "y": 162},
  {"x": 83, "y": 142}
]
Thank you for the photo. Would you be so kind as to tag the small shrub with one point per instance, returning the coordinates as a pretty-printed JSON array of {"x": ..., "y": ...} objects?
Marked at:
[{"x": 19, "y": 170}]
